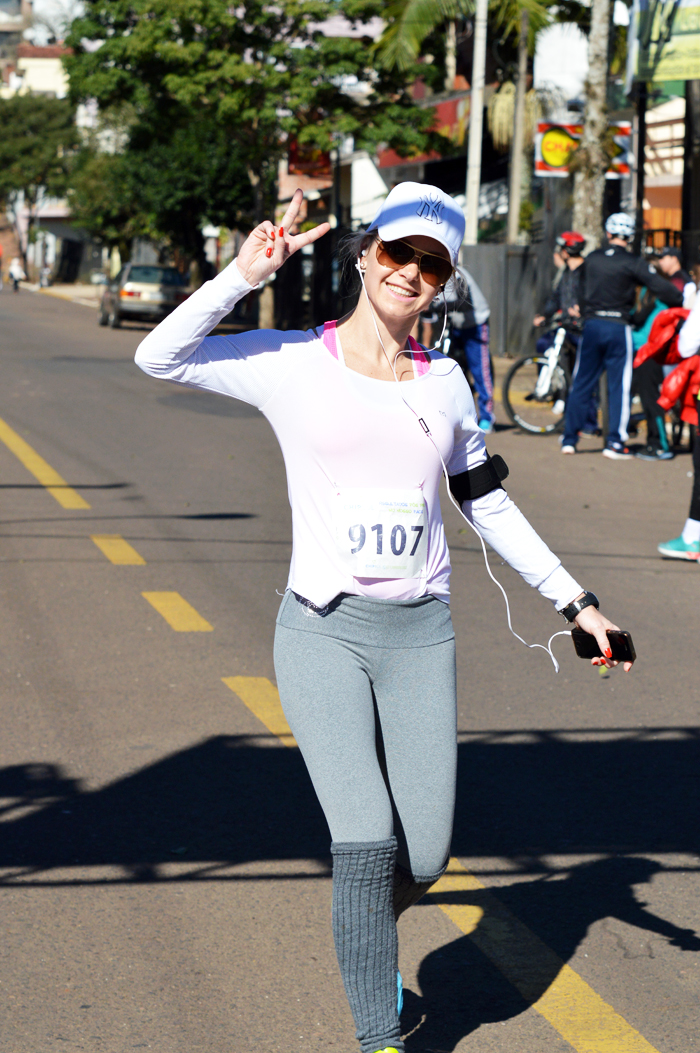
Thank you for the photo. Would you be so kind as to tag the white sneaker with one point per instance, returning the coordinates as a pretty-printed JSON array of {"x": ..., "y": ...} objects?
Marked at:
[
  {"x": 568, "y": 449},
  {"x": 618, "y": 455}
]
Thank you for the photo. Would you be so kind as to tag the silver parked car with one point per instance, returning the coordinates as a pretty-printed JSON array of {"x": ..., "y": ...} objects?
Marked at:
[{"x": 142, "y": 293}]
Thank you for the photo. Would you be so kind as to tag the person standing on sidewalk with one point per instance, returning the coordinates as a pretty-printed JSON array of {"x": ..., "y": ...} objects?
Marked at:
[
  {"x": 609, "y": 279},
  {"x": 16, "y": 273},
  {"x": 563, "y": 303},
  {"x": 364, "y": 645},
  {"x": 669, "y": 262},
  {"x": 687, "y": 545}
]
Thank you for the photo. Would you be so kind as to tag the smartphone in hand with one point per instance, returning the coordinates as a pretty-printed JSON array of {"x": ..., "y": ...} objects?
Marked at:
[{"x": 620, "y": 644}]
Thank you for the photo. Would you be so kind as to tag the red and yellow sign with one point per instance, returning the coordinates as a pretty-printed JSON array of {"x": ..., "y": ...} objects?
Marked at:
[{"x": 555, "y": 143}]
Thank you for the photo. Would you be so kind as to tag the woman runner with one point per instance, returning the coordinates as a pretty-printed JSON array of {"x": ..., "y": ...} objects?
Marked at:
[{"x": 364, "y": 645}]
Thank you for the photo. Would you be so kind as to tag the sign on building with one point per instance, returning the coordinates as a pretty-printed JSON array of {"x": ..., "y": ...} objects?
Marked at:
[
  {"x": 663, "y": 40},
  {"x": 555, "y": 143}
]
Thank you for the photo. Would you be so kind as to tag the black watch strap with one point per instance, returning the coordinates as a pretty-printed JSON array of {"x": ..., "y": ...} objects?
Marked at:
[{"x": 589, "y": 599}]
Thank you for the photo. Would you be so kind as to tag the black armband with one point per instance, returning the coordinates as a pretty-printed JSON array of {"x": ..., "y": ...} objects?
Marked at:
[{"x": 467, "y": 486}]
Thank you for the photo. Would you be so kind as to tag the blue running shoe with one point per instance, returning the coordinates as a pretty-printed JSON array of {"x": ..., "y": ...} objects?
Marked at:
[
  {"x": 677, "y": 548},
  {"x": 399, "y": 997}
]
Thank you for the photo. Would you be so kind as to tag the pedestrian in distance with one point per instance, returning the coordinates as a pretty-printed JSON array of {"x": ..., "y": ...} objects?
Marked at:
[
  {"x": 669, "y": 262},
  {"x": 563, "y": 303},
  {"x": 16, "y": 273},
  {"x": 609, "y": 279},
  {"x": 364, "y": 645},
  {"x": 687, "y": 545}
]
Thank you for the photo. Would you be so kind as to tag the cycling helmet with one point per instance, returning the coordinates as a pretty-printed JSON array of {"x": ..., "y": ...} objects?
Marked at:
[
  {"x": 572, "y": 241},
  {"x": 620, "y": 225}
]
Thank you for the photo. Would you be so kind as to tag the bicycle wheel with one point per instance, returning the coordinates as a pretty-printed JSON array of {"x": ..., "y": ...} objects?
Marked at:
[{"x": 536, "y": 414}]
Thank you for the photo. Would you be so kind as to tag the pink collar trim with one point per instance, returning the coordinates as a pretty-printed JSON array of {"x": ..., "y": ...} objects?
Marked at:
[{"x": 421, "y": 359}]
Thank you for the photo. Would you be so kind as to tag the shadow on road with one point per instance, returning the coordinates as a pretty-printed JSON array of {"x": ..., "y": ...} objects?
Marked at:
[{"x": 522, "y": 798}]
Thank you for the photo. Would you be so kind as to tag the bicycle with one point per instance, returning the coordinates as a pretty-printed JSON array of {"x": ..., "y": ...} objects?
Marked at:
[{"x": 536, "y": 387}]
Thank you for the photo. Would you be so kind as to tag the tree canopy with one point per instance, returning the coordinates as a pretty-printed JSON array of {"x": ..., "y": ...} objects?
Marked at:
[
  {"x": 38, "y": 137},
  {"x": 218, "y": 90}
]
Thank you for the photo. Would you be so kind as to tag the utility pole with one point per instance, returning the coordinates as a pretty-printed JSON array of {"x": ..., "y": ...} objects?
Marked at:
[
  {"x": 516, "y": 155},
  {"x": 691, "y": 173},
  {"x": 476, "y": 120},
  {"x": 642, "y": 97}
]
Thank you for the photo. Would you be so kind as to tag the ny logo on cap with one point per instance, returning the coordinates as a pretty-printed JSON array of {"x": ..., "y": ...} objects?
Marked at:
[{"x": 430, "y": 208}]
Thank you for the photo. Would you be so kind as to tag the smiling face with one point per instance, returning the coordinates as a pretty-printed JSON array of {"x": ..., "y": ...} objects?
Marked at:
[{"x": 400, "y": 293}]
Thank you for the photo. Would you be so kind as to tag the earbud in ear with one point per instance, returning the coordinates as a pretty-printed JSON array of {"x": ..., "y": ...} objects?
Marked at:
[{"x": 364, "y": 252}]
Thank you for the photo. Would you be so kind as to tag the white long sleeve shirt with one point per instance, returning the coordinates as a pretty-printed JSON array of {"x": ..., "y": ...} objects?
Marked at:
[
  {"x": 343, "y": 433},
  {"x": 689, "y": 336}
]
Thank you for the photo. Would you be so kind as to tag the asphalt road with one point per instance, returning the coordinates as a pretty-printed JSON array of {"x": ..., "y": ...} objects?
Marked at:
[{"x": 164, "y": 867}]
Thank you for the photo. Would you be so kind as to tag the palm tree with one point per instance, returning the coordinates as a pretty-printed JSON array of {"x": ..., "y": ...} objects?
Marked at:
[{"x": 409, "y": 22}]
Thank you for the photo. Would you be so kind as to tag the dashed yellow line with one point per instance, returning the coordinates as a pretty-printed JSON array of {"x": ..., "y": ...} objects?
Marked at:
[
  {"x": 118, "y": 550},
  {"x": 178, "y": 613},
  {"x": 262, "y": 698},
  {"x": 42, "y": 471},
  {"x": 544, "y": 980},
  {"x": 551, "y": 986}
]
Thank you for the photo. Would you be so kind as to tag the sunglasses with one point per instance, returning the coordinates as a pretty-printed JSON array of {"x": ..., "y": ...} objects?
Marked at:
[{"x": 436, "y": 270}]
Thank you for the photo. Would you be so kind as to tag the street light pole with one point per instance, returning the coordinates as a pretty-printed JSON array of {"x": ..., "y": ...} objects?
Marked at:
[{"x": 476, "y": 119}]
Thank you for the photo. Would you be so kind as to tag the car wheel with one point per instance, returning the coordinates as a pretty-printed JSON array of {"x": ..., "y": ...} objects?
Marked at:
[{"x": 113, "y": 319}]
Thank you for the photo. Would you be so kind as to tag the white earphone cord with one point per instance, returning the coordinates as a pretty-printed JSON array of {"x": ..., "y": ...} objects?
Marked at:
[{"x": 424, "y": 427}]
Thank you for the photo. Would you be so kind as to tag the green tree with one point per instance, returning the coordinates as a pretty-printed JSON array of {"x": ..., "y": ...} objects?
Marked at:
[
  {"x": 37, "y": 141},
  {"x": 163, "y": 185},
  {"x": 258, "y": 72},
  {"x": 102, "y": 202}
]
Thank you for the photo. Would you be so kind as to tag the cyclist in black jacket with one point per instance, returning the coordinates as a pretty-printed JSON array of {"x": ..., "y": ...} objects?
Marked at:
[{"x": 609, "y": 278}]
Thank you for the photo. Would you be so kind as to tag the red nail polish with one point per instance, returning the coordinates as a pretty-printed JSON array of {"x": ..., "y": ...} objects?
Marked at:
[
  {"x": 272, "y": 234},
  {"x": 268, "y": 252},
  {"x": 281, "y": 232},
  {"x": 608, "y": 653}
]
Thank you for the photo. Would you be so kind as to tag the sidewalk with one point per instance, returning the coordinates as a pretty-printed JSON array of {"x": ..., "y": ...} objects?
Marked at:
[{"x": 87, "y": 295}]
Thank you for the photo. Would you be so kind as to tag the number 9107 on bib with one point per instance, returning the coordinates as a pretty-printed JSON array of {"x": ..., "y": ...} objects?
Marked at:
[{"x": 382, "y": 533}]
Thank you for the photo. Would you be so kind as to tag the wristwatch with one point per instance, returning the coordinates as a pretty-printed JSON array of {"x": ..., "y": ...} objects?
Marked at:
[{"x": 573, "y": 609}]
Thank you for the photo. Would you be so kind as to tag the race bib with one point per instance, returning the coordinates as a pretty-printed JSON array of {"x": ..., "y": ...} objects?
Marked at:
[{"x": 382, "y": 533}]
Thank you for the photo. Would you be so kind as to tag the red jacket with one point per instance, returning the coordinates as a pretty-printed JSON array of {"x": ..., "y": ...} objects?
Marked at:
[
  {"x": 663, "y": 338},
  {"x": 683, "y": 385}
]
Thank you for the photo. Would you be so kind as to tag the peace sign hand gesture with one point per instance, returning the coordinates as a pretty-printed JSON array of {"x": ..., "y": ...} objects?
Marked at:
[{"x": 266, "y": 249}]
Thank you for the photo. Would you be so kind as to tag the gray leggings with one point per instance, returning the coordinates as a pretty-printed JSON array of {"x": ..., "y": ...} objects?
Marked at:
[{"x": 369, "y": 693}]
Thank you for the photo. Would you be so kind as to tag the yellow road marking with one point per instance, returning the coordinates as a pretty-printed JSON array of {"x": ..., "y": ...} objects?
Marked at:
[
  {"x": 262, "y": 698},
  {"x": 117, "y": 550},
  {"x": 178, "y": 613},
  {"x": 56, "y": 485},
  {"x": 567, "y": 1002}
]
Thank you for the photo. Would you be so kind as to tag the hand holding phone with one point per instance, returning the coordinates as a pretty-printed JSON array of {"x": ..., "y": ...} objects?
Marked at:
[{"x": 620, "y": 644}]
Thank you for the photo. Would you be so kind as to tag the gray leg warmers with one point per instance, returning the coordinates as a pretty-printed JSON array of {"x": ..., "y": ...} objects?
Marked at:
[
  {"x": 364, "y": 930},
  {"x": 409, "y": 889}
]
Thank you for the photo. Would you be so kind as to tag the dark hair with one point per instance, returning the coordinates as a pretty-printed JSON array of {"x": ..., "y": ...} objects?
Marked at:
[{"x": 349, "y": 249}]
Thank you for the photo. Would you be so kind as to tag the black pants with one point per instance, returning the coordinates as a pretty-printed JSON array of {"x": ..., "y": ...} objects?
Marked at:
[
  {"x": 695, "y": 498},
  {"x": 646, "y": 382}
]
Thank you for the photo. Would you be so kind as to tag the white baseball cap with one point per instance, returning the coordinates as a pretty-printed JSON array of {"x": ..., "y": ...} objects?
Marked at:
[{"x": 418, "y": 208}]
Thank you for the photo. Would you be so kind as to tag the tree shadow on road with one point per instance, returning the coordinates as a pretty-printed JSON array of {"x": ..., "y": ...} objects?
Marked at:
[
  {"x": 527, "y": 932},
  {"x": 524, "y": 799}
]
